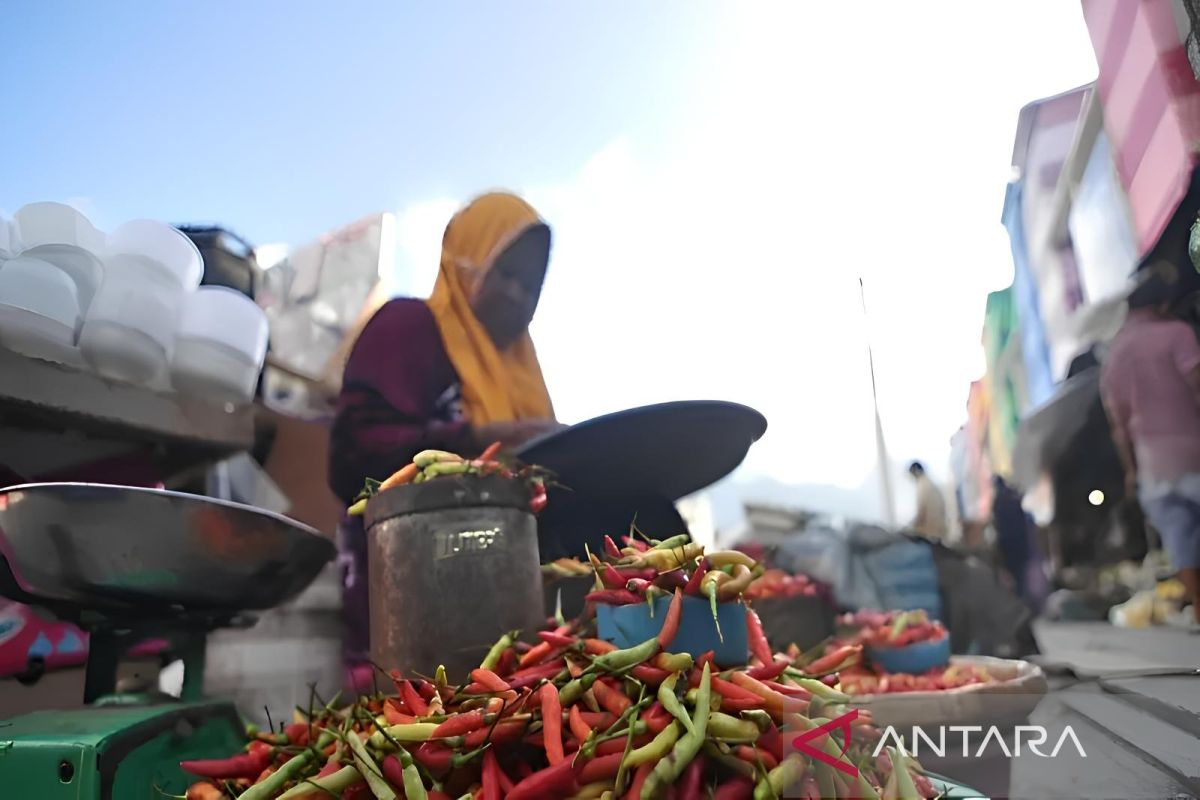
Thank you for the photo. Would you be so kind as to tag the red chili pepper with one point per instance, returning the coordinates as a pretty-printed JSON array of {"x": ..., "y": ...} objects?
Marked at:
[
  {"x": 692, "y": 782},
  {"x": 507, "y": 664},
  {"x": 331, "y": 766},
  {"x": 579, "y": 728},
  {"x": 506, "y": 784},
  {"x": 533, "y": 675},
  {"x": 460, "y": 724},
  {"x": 693, "y": 585},
  {"x": 557, "y": 639},
  {"x": 638, "y": 586},
  {"x": 507, "y": 730},
  {"x": 537, "y": 498},
  {"x": 358, "y": 791},
  {"x": 491, "y": 777},
  {"x": 752, "y": 755},
  {"x": 297, "y": 733},
  {"x": 759, "y": 645},
  {"x": 490, "y": 680},
  {"x": 648, "y": 674},
  {"x": 738, "y": 787},
  {"x": 610, "y": 746},
  {"x": 831, "y": 661},
  {"x": 611, "y": 578},
  {"x": 597, "y": 647},
  {"x": 612, "y": 700},
  {"x": 601, "y": 768},
  {"x": 490, "y": 452},
  {"x": 670, "y": 627},
  {"x": 610, "y": 548},
  {"x": 244, "y": 765},
  {"x": 732, "y": 691},
  {"x": 636, "y": 544},
  {"x": 771, "y": 740},
  {"x": 790, "y": 691},
  {"x": 768, "y": 672},
  {"x": 393, "y": 770},
  {"x": 597, "y": 719},
  {"x": 552, "y": 724},
  {"x": 731, "y": 706},
  {"x": 416, "y": 704},
  {"x": 675, "y": 579},
  {"x": 553, "y": 781},
  {"x": 639, "y": 780},
  {"x": 430, "y": 755},
  {"x": 613, "y": 597}
]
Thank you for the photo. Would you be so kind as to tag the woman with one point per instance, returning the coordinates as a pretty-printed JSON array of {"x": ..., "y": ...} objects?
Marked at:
[{"x": 455, "y": 373}]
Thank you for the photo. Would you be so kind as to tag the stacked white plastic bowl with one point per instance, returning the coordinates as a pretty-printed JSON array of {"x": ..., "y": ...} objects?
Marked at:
[
  {"x": 46, "y": 288},
  {"x": 129, "y": 329},
  {"x": 220, "y": 345}
]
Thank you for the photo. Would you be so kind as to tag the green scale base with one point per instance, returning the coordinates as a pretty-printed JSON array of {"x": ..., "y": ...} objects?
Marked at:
[{"x": 113, "y": 752}]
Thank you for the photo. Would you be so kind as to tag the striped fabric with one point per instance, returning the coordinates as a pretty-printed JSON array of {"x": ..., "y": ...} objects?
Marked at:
[{"x": 1151, "y": 102}]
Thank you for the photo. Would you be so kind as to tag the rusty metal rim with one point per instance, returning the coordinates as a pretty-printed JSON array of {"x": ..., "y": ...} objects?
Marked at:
[{"x": 467, "y": 491}]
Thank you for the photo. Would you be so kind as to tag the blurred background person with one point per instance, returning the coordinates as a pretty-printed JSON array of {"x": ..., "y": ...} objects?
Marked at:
[
  {"x": 1150, "y": 384},
  {"x": 456, "y": 372},
  {"x": 930, "y": 520},
  {"x": 1017, "y": 543}
]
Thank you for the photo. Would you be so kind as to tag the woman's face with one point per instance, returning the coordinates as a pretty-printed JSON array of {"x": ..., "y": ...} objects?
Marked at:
[{"x": 507, "y": 297}]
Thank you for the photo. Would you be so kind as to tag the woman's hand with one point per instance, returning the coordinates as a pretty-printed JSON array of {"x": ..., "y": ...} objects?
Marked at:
[{"x": 516, "y": 433}]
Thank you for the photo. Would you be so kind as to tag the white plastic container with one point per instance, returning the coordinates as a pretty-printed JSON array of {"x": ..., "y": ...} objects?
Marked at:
[
  {"x": 129, "y": 330},
  {"x": 64, "y": 237},
  {"x": 157, "y": 246},
  {"x": 39, "y": 310},
  {"x": 8, "y": 239},
  {"x": 220, "y": 345}
]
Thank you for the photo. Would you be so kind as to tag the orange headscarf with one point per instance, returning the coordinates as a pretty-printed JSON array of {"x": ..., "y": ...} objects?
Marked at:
[{"x": 497, "y": 385}]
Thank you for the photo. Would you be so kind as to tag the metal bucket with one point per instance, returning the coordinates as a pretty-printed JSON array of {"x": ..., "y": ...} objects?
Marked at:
[{"x": 453, "y": 566}]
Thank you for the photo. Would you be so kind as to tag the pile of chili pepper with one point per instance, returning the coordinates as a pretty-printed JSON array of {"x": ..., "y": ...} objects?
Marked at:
[
  {"x": 433, "y": 464},
  {"x": 643, "y": 570},
  {"x": 572, "y": 716}
]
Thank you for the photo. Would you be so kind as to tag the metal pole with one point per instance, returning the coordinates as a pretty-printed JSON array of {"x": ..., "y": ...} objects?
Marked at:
[{"x": 885, "y": 474}]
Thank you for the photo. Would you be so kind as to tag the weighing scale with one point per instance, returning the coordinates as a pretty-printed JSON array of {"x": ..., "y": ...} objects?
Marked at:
[{"x": 129, "y": 564}]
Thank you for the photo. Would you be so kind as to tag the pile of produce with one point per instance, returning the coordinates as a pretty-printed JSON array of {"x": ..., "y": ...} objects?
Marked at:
[
  {"x": 573, "y": 716},
  {"x": 893, "y": 628},
  {"x": 777, "y": 583},
  {"x": 433, "y": 464},
  {"x": 882, "y": 629}
]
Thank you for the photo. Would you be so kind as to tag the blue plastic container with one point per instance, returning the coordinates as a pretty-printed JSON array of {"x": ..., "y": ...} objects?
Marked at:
[
  {"x": 915, "y": 659},
  {"x": 626, "y": 626}
]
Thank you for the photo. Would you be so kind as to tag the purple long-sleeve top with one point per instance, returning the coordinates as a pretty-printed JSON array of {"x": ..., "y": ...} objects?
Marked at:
[{"x": 400, "y": 395}]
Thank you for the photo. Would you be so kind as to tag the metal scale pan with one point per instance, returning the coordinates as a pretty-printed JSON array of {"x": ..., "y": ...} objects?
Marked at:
[{"x": 127, "y": 562}]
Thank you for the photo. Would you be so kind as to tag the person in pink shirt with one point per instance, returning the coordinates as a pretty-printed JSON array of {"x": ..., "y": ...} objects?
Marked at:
[{"x": 1150, "y": 385}]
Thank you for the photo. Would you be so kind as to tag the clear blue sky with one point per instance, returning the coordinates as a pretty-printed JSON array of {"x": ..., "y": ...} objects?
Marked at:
[
  {"x": 718, "y": 174},
  {"x": 282, "y": 119}
]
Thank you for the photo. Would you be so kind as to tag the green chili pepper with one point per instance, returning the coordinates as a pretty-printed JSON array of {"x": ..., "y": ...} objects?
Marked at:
[
  {"x": 410, "y": 732},
  {"x": 358, "y": 508},
  {"x": 673, "y": 543},
  {"x": 669, "y": 768},
  {"x": 621, "y": 660},
  {"x": 445, "y": 468},
  {"x": 723, "y": 726},
  {"x": 907, "y": 790},
  {"x": 760, "y": 718},
  {"x": 775, "y": 782},
  {"x": 493, "y": 656},
  {"x": 333, "y": 784},
  {"x": 656, "y": 748},
  {"x": 414, "y": 787},
  {"x": 670, "y": 700},
  {"x": 370, "y": 771},
  {"x": 865, "y": 790},
  {"x": 825, "y": 781},
  {"x": 816, "y": 687},
  {"x": 575, "y": 689},
  {"x": 274, "y": 783}
]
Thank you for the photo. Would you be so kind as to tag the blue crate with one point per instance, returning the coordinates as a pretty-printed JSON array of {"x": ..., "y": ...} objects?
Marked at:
[
  {"x": 626, "y": 626},
  {"x": 915, "y": 659}
]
